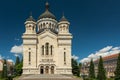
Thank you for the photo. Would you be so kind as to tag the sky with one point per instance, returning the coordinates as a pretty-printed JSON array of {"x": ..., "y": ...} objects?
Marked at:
[{"x": 94, "y": 24}]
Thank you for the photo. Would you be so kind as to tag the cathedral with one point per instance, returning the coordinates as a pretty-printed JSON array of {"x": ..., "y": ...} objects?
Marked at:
[{"x": 47, "y": 45}]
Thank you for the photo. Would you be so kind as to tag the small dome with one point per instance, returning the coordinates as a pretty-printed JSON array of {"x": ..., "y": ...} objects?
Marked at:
[
  {"x": 47, "y": 13},
  {"x": 30, "y": 19},
  {"x": 63, "y": 19}
]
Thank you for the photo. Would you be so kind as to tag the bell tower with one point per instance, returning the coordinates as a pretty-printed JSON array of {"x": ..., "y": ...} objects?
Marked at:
[
  {"x": 30, "y": 25},
  {"x": 29, "y": 44},
  {"x": 64, "y": 43},
  {"x": 63, "y": 26}
]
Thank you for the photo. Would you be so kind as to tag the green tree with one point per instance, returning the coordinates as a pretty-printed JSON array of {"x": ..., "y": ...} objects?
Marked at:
[
  {"x": 117, "y": 71},
  {"x": 101, "y": 71},
  {"x": 19, "y": 68},
  {"x": 0, "y": 74},
  {"x": 17, "y": 61},
  {"x": 91, "y": 70},
  {"x": 75, "y": 68},
  {"x": 17, "y": 64},
  {"x": 4, "y": 72},
  {"x": 80, "y": 66}
]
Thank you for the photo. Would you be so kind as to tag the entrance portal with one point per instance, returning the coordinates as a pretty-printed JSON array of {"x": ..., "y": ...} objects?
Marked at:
[
  {"x": 42, "y": 70},
  {"x": 52, "y": 69},
  {"x": 47, "y": 69}
]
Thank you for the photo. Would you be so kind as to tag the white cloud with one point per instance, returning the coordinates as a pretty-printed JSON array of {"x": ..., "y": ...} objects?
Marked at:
[
  {"x": 1, "y": 57},
  {"x": 116, "y": 48},
  {"x": 105, "y": 49},
  {"x": 17, "y": 49},
  {"x": 109, "y": 50},
  {"x": 85, "y": 60},
  {"x": 10, "y": 60},
  {"x": 16, "y": 55},
  {"x": 75, "y": 57}
]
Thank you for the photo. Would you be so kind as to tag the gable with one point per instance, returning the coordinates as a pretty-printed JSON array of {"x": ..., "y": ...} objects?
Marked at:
[
  {"x": 47, "y": 37},
  {"x": 47, "y": 34}
]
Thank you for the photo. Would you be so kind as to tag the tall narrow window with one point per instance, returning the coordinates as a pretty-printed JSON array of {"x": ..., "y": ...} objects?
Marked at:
[
  {"x": 47, "y": 48},
  {"x": 51, "y": 49},
  {"x": 42, "y": 50},
  {"x": 64, "y": 57},
  {"x": 29, "y": 57}
]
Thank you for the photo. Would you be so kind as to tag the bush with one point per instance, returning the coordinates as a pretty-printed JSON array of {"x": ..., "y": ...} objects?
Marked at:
[
  {"x": 0, "y": 74},
  {"x": 89, "y": 79},
  {"x": 110, "y": 79}
]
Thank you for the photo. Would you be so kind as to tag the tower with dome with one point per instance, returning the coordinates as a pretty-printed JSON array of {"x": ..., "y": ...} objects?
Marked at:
[{"x": 47, "y": 45}]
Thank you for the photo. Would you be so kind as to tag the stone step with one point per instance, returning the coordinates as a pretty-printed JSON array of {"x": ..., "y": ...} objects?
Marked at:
[{"x": 47, "y": 77}]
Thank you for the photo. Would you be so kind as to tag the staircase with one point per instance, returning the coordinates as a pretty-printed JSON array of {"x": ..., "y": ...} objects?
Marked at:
[{"x": 47, "y": 77}]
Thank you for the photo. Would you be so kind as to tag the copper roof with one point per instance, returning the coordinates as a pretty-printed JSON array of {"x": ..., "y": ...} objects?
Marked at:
[
  {"x": 113, "y": 56},
  {"x": 30, "y": 19},
  {"x": 63, "y": 18},
  {"x": 47, "y": 13}
]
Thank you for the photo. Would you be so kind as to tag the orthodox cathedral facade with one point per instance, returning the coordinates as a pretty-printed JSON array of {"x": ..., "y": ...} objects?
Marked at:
[{"x": 47, "y": 45}]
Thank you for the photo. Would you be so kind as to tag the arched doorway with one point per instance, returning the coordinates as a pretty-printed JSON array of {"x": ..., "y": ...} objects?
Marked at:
[
  {"x": 41, "y": 70},
  {"x": 52, "y": 69},
  {"x": 47, "y": 69}
]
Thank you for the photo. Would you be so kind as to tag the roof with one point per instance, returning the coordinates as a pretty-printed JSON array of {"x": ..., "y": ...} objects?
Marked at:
[
  {"x": 1, "y": 61},
  {"x": 8, "y": 62},
  {"x": 41, "y": 30},
  {"x": 63, "y": 18},
  {"x": 47, "y": 13},
  {"x": 30, "y": 19},
  {"x": 113, "y": 56},
  {"x": 110, "y": 57}
]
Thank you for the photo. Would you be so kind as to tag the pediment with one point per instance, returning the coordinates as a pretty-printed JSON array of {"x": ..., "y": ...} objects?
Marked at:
[{"x": 47, "y": 34}]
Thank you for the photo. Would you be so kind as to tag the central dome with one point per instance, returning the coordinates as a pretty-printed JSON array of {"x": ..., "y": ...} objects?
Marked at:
[{"x": 47, "y": 13}]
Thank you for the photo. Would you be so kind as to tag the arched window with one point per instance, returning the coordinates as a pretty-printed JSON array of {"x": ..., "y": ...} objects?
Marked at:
[
  {"x": 43, "y": 25},
  {"x": 29, "y": 57},
  {"x": 47, "y": 48},
  {"x": 50, "y": 25},
  {"x": 64, "y": 57},
  {"x": 51, "y": 49},
  {"x": 42, "y": 50}
]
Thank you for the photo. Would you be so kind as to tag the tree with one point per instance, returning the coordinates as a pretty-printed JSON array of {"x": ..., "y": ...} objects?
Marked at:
[
  {"x": 17, "y": 61},
  {"x": 80, "y": 66},
  {"x": 4, "y": 72},
  {"x": 18, "y": 68},
  {"x": 91, "y": 70},
  {"x": 117, "y": 71},
  {"x": 101, "y": 71},
  {"x": 75, "y": 68}
]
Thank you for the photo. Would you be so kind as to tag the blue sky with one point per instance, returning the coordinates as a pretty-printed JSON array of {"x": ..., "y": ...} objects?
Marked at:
[{"x": 95, "y": 24}]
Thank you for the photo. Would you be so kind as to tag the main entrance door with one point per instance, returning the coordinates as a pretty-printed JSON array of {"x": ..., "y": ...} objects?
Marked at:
[
  {"x": 42, "y": 70},
  {"x": 52, "y": 69},
  {"x": 47, "y": 70}
]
